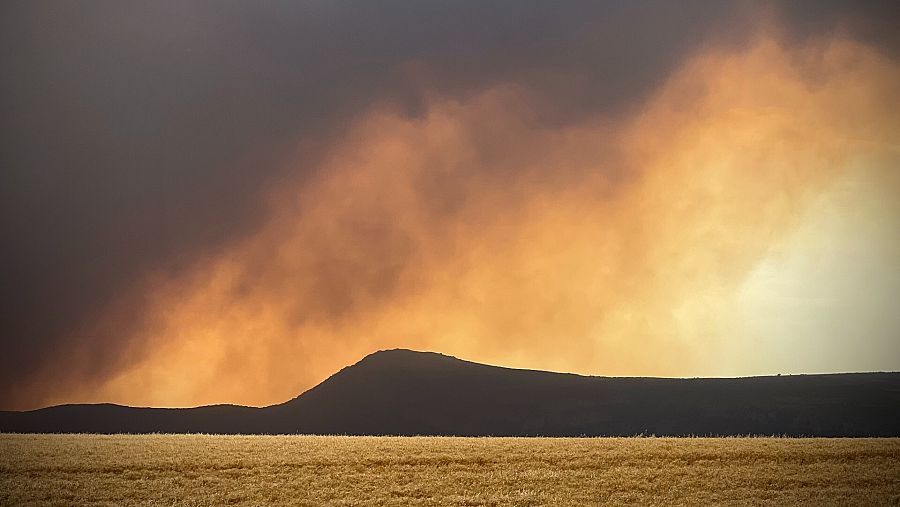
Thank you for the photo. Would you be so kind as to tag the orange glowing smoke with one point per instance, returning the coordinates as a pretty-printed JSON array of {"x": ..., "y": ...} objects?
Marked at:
[{"x": 615, "y": 246}]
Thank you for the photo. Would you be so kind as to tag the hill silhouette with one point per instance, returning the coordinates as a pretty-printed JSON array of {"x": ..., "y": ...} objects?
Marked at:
[{"x": 403, "y": 392}]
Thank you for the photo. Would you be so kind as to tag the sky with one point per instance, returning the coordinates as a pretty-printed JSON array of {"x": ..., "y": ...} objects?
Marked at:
[{"x": 226, "y": 202}]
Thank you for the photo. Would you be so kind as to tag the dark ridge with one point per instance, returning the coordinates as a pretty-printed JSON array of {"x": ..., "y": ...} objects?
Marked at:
[{"x": 403, "y": 392}]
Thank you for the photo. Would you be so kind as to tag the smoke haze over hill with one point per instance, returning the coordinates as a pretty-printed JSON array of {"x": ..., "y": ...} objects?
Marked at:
[{"x": 226, "y": 202}]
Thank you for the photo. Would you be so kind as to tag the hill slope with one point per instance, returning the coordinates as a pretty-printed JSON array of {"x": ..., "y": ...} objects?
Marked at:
[{"x": 401, "y": 392}]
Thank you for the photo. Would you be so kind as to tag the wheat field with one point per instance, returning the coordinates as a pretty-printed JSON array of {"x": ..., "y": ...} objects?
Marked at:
[{"x": 76, "y": 470}]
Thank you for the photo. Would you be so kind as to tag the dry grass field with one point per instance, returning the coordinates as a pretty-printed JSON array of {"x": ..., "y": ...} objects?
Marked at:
[{"x": 75, "y": 470}]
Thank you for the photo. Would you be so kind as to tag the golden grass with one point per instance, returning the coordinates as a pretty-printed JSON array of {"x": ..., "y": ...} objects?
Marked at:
[{"x": 306, "y": 470}]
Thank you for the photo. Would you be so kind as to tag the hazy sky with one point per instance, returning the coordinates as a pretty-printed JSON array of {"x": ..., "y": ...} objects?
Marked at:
[{"x": 208, "y": 202}]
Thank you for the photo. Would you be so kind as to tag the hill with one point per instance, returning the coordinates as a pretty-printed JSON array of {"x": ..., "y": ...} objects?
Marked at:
[{"x": 402, "y": 392}]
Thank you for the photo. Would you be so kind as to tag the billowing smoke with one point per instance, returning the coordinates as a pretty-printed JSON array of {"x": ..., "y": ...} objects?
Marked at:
[{"x": 263, "y": 197}]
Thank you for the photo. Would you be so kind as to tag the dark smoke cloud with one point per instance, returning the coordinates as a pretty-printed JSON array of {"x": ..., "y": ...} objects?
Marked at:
[{"x": 137, "y": 135}]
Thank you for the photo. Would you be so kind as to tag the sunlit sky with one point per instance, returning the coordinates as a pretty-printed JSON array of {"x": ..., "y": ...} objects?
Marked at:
[{"x": 827, "y": 297}]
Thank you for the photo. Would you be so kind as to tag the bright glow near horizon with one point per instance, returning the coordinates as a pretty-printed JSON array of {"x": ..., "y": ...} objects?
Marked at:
[{"x": 827, "y": 297}]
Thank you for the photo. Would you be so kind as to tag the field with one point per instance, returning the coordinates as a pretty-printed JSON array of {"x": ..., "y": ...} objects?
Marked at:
[{"x": 306, "y": 470}]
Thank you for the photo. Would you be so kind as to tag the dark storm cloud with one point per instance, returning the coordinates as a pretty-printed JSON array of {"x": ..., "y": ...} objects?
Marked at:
[{"x": 136, "y": 135}]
